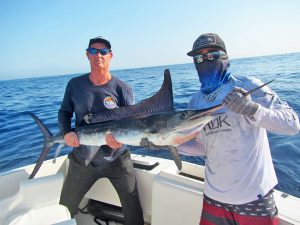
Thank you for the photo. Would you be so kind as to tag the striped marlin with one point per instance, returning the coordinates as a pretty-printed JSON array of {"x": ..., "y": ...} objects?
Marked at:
[{"x": 153, "y": 121}]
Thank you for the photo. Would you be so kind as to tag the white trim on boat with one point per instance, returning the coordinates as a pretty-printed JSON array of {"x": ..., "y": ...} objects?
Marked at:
[{"x": 167, "y": 196}]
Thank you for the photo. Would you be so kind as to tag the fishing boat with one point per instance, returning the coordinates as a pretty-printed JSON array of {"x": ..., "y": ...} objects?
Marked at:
[{"x": 168, "y": 196}]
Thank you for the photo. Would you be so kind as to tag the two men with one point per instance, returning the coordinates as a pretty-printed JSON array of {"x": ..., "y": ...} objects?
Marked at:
[{"x": 239, "y": 174}]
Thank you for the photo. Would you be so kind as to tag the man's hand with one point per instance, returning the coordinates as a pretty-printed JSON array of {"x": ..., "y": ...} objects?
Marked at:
[
  {"x": 238, "y": 102},
  {"x": 112, "y": 142},
  {"x": 71, "y": 139}
]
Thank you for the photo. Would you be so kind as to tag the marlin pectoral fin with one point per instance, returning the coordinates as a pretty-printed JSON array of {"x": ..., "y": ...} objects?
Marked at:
[
  {"x": 148, "y": 144},
  {"x": 173, "y": 150},
  {"x": 92, "y": 152},
  {"x": 57, "y": 151},
  {"x": 175, "y": 156}
]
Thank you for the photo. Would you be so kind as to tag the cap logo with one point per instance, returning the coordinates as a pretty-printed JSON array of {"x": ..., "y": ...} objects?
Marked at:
[{"x": 205, "y": 40}]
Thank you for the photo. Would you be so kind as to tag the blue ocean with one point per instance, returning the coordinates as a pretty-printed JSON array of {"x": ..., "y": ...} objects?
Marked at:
[{"x": 21, "y": 140}]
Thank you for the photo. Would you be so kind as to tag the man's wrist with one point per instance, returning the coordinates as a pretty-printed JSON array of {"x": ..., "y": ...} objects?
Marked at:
[{"x": 253, "y": 107}]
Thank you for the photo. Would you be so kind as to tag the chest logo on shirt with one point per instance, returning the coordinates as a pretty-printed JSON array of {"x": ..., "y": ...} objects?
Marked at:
[
  {"x": 219, "y": 124},
  {"x": 109, "y": 102}
]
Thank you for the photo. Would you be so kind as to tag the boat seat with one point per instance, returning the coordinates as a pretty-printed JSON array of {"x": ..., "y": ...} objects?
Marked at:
[{"x": 36, "y": 203}]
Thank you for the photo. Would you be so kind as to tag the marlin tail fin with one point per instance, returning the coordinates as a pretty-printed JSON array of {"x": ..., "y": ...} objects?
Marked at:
[{"x": 48, "y": 144}]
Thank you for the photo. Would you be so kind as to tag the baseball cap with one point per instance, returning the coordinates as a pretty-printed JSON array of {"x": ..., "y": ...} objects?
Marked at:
[
  {"x": 206, "y": 41},
  {"x": 100, "y": 39}
]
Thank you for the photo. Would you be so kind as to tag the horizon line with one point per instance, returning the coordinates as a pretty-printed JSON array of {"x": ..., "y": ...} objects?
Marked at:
[{"x": 132, "y": 68}]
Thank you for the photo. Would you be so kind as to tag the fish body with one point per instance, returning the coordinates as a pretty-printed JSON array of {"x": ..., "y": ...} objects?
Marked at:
[
  {"x": 153, "y": 121},
  {"x": 161, "y": 129}
]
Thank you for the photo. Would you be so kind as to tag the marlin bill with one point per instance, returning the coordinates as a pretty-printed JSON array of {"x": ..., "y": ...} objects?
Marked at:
[{"x": 153, "y": 121}]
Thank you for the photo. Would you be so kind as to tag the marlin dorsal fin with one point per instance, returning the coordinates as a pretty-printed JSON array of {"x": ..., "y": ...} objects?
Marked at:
[{"x": 159, "y": 102}]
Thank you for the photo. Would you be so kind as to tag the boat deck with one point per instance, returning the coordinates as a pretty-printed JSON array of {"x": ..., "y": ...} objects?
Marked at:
[
  {"x": 168, "y": 196},
  {"x": 88, "y": 219}
]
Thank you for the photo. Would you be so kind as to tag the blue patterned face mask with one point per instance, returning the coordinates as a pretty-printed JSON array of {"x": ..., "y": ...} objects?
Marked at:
[{"x": 212, "y": 74}]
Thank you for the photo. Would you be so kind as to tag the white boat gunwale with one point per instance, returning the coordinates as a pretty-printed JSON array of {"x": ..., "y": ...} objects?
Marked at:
[{"x": 184, "y": 194}]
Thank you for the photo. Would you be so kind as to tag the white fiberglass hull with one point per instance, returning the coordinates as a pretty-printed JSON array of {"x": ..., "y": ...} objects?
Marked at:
[{"x": 167, "y": 196}]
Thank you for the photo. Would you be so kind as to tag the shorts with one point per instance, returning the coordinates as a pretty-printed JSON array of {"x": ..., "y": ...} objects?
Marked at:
[{"x": 259, "y": 212}]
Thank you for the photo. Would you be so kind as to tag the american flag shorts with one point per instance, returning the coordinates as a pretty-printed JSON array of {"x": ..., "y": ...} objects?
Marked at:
[{"x": 259, "y": 212}]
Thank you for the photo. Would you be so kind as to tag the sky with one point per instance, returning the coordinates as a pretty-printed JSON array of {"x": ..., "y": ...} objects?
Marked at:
[{"x": 49, "y": 37}]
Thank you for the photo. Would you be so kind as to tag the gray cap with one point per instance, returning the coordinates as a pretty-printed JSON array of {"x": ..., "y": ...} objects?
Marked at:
[{"x": 209, "y": 40}]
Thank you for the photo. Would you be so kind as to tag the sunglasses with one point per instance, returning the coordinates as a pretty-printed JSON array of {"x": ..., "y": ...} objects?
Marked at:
[
  {"x": 210, "y": 56},
  {"x": 94, "y": 51}
]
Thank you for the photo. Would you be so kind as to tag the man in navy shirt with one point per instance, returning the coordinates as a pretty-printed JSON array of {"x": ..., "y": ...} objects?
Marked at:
[{"x": 92, "y": 93}]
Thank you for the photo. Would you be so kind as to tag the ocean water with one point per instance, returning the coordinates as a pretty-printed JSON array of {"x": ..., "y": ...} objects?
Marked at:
[{"x": 21, "y": 140}]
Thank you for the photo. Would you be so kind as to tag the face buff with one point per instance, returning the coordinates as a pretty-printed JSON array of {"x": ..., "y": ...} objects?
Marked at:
[{"x": 212, "y": 74}]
